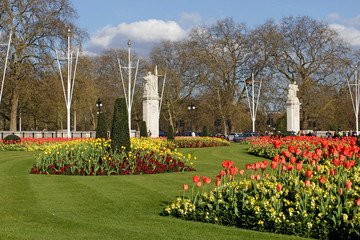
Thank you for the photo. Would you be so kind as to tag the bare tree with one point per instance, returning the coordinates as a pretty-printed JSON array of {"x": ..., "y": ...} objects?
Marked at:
[
  {"x": 310, "y": 53},
  {"x": 36, "y": 26}
]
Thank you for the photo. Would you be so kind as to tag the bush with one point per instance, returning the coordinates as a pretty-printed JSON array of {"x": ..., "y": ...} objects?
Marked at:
[
  {"x": 143, "y": 129},
  {"x": 101, "y": 129},
  {"x": 170, "y": 136},
  {"x": 11, "y": 139},
  {"x": 120, "y": 136},
  {"x": 205, "y": 132}
]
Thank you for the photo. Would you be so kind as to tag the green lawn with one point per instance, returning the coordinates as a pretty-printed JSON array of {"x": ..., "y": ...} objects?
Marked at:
[{"x": 108, "y": 207}]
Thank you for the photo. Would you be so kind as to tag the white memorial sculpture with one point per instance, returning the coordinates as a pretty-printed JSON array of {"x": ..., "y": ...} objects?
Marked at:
[
  {"x": 152, "y": 103},
  {"x": 293, "y": 109}
]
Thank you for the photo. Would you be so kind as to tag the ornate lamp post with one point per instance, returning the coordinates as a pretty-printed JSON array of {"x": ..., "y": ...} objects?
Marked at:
[
  {"x": 191, "y": 107},
  {"x": 98, "y": 105}
]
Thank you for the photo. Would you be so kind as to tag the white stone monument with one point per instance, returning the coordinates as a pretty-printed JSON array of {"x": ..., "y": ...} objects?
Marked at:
[
  {"x": 151, "y": 102},
  {"x": 293, "y": 109}
]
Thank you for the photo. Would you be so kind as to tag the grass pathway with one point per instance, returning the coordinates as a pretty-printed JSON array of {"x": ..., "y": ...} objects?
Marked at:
[{"x": 108, "y": 207}]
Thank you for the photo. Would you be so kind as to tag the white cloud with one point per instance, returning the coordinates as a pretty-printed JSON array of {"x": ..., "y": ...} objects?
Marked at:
[
  {"x": 144, "y": 33},
  {"x": 355, "y": 21},
  {"x": 190, "y": 19},
  {"x": 350, "y": 34},
  {"x": 333, "y": 17}
]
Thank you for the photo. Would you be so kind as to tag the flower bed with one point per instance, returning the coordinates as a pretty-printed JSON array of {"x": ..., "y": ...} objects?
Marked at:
[
  {"x": 198, "y": 142},
  {"x": 94, "y": 157},
  {"x": 40, "y": 144},
  {"x": 33, "y": 144},
  {"x": 311, "y": 188}
]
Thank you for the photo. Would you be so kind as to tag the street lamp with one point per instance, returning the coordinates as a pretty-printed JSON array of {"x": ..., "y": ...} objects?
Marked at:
[
  {"x": 191, "y": 107},
  {"x": 98, "y": 105}
]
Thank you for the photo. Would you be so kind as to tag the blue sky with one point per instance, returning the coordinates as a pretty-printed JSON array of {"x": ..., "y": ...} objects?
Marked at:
[{"x": 111, "y": 23}]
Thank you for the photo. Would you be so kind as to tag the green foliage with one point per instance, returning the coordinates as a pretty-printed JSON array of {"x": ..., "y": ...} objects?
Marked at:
[
  {"x": 11, "y": 139},
  {"x": 205, "y": 132},
  {"x": 101, "y": 130},
  {"x": 170, "y": 136},
  {"x": 120, "y": 137},
  {"x": 281, "y": 123},
  {"x": 143, "y": 129}
]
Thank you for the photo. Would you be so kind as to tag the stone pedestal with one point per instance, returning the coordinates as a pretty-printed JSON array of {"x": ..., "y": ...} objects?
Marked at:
[
  {"x": 293, "y": 115},
  {"x": 151, "y": 116},
  {"x": 151, "y": 101},
  {"x": 293, "y": 109}
]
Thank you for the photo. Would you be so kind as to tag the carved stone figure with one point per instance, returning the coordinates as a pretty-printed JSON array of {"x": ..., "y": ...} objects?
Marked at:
[
  {"x": 293, "y": 88},
  {"x": 150, "y": 87}
]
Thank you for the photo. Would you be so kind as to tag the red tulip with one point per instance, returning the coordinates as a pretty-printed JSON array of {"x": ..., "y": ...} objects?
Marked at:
[
  {"x": 277, "y": 143},
  {"x": 241, "y": 172},
  {"x": 218, "y": 183},
  {"x": 318, "y": 152},
  {"x": 342, "y": 158},
  {"x": 252, "y": 176},
  {"x": 308, "y": 173},
  {"x": 286, "y": 154},
  {"x": 225, "y": 164},
  {"x": 266, "y": 175},
  {"x": 297, "y": 152},
  {"x": 340, "y": 191},
  {"x": 289, "y": 167},
  {"x": 292, "y": 160},
  {"x": 299, "y": 166},
  {"x": 347, "y": 164},
  {"x": 336, "y": 162},
  {"x": 206, "y": 180},
  {"x": 348, "y": 184},
  {"x": 291, "y": 148},
  {"x": 185, "y": 187},
  {"x": 307, "y": 183},
  {"x": 248, "y": 166},
  {"x": 322, "y": 180},
  {"x": 222, "y": 173},
  {"x": 279, "y": 187},
  {"x": 233, "y": 171},
  {"x": 358, "y": 202},
  {"x": 318, "y": 167},
  {"x": 324, "y": 144},
  {"x": 196, "y": 179},
  {"x": 274, "y": 164},
  {"x": 258, "y": 177},
  {"x": 332, "y": 172},
  {"x": 231, "y": 163}
]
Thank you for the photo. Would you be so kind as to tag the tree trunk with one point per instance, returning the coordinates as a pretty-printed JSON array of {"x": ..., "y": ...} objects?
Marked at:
[
  {"x": 14, "y": 108},
  {"x": 170, "y": 116}
]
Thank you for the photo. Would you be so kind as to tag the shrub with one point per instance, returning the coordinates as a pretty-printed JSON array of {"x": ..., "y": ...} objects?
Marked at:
[
  {"x": 120, "y": 137},
  {"x": 170, "y": 136},
  {"x": 11, "y": 139},
  {"x": 101, "y": 130},
  {"x": 205, "y": 132},
  {"x": 143, "y": 129}
]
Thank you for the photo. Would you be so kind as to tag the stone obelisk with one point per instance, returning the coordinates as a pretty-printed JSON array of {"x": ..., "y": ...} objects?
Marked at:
[
  {"x": 293, "y": 109},
  {"x": 151, "y": 100}
]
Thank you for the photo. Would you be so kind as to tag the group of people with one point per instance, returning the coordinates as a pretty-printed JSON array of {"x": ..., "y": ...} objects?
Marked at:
[{"x": 339, "y": 134}]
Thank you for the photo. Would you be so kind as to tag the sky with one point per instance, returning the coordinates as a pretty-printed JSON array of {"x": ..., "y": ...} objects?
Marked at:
[{"x": 111, "y": 23}]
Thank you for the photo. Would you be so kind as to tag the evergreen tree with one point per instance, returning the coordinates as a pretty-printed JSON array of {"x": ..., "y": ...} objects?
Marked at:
[
  {"x": 101, "y": 129},
  {"x": 143, "y": 129},
  {"x": 170, "y": 135},
  {"x": 205, "y": 132},
  {"x": 120, "y": 127}
]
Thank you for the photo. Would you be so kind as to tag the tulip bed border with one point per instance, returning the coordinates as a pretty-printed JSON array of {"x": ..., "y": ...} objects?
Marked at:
[
  {"x": 311, "y": 188},
  {"x": 95, "y": 157}
]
